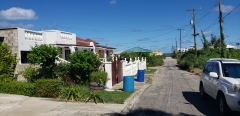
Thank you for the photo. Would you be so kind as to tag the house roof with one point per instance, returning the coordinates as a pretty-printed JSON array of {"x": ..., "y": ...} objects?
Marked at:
[
  {"x": 105, "y": 47},
  {"x": 90, "y": 40},
  {"x": 82, "y": 42}
]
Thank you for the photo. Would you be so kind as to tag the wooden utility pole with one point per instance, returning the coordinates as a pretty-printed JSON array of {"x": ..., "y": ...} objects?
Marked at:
[
  {"x": 221, "y": 29},
  {"x": 194, "y": 28},
  {"x": 180, "y": 39},
  {"x": 176, "y": 43}
]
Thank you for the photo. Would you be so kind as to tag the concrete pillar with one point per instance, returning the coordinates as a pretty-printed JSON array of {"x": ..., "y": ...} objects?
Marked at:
[
  {"x": 105, "y": 55},
  {"x": 108, "y": 69},
  {"x": 63, "y": 52}
]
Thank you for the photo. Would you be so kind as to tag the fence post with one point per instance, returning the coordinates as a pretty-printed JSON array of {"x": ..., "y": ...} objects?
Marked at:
[
  {"x": 124, "y": 66},
  {"x": 108, "y": 69}
]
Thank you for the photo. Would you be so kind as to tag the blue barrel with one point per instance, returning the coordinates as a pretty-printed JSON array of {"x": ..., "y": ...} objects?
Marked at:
[
  {"x": 140, "y": 76},
  {"x": 128, "y": 83}
]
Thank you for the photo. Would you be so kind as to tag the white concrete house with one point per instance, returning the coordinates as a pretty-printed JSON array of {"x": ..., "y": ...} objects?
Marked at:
[{"x": 20, "y": 40}]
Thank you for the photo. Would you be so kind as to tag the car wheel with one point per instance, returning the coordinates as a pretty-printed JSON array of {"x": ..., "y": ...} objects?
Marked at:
[
  {"x": 203, "y": 94},
  {"x": 223, "y": 107}
]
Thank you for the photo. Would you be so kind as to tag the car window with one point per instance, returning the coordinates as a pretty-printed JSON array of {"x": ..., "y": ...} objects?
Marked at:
[
  {"x": 231, "y": 70},
  {"x": 208, "y": 68},
  {"x": 215, "y": 68},
  {"x": 205, "y": 68}
]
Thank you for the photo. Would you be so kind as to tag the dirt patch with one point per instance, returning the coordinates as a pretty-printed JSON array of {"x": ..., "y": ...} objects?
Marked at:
[{"x": 197, "y": 71}]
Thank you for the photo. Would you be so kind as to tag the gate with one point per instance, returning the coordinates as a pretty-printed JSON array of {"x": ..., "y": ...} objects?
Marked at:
[{"x": 116, "y": 70}]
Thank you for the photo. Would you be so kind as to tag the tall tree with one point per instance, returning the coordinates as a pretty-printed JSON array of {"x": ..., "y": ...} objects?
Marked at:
[{"x": 205, "y": 42}]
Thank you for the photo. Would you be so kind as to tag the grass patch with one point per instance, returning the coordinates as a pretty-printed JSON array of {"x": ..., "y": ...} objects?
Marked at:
[
  {"x": 149, "y": 71},
  {"x": 82, "y": 93},
  {"x": 117, "y": 97},
  {"x": 148, "y": 79}
]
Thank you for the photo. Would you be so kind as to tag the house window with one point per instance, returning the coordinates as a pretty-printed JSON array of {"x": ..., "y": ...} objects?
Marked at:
[
  {"x": 67, "y": 53},
  {"x": 1, "y": 39},
  {"x": 24, "y": 57}
]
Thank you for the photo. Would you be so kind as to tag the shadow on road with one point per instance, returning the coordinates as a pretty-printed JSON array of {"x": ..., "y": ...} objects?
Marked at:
[
  {"x": 207, "y": 107},
  {"x": 145, "y": 112}
]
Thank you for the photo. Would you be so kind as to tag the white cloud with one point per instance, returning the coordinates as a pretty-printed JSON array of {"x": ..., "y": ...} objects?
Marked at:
[
  {"x": 9, "y": 25},
  {"x": 113, "y": 2},
  {"x": 225, "y": 8},
  {"x": 16, "y": 13}
]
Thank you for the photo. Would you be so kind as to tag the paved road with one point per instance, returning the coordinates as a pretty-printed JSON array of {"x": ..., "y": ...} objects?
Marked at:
[{"x": 173, "y": 92}]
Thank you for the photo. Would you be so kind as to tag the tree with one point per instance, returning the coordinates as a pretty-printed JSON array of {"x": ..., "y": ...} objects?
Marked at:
[
  {"x": 45, "y": 56},
  {"x": 7, "y": 63},
  {"x": 213, "y": 40},
  {"x": 205, "y": 42}
]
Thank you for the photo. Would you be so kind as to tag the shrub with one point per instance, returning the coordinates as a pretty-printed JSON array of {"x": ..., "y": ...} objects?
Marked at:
[
  {"x": 63, "y": 72},
  {"x": 15, "y": 87},
  {"x": 48, "y": 87},
  {"x": 7, "y": 63},
  {"x": 82, "y": 64},
  {"x": 31, "y": 74},
  {"x": 45, "y": 56},
  {"x": 99, "y": 76}
]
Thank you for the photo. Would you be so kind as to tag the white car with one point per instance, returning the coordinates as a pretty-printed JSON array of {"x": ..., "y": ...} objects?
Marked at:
[{"x": 221, "y": 80}]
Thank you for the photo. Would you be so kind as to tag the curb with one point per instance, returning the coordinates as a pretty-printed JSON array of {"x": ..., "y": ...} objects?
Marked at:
[{"x": 128, "y": 104}]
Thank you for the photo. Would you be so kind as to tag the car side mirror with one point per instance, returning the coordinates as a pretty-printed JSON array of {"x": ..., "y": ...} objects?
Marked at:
[{"x": 213, "y": 74}]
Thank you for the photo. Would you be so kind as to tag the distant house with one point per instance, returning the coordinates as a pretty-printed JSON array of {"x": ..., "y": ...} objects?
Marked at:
[{"x": 157, "y": 52}]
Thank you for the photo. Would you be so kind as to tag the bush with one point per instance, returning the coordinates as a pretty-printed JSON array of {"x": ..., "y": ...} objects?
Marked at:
[
  {"x": 45, "y": 56},
  {"x": 15, "y": 87},
  {"x": 99, "y": 76},
  {"x": 48, "y": 87},
  {"x": 7, "y": 63},
  {"x": 82, "y": 64},
  {"x": 31, "y": 74},
  {"x": 63, "y": 72}
]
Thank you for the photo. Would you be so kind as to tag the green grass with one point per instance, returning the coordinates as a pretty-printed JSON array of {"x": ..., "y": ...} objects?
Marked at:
[
  {"x": 117, "y": 97},
  {"x": 149, "y": 71}
]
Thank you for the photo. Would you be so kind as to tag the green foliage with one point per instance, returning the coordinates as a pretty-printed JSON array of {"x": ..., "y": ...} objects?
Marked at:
[
  {"x": 149, "y": 71},
  {"x": 70, "y": 93},
  {"x": 15, "y": 87},
  {"x": 95, "y": 98},
  {"x": 63, "y": 72},
  {"x": 31, "y": 74},
  {"x": 153, "y": 61},
  {"x": 7, "y": 63},
  {"x": 45, "y": 56},
  {"x": 82, "y": 64},
  {"x": 205, "y": 42},
  {"x": 48, "y": 87},
  {"x": 99, "y": 76}
]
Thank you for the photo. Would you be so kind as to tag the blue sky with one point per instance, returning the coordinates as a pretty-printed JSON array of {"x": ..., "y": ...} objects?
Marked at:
[{"x": 123, "y": 24}]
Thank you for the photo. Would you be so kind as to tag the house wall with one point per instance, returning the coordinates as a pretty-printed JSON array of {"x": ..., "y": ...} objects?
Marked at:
[
  {"x": 59, "y": 37},
  {"x": 11, "y": 39}
]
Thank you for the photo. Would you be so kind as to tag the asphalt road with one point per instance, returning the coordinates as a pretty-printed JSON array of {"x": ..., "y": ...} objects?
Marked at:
[{"x": 174, "y": 92}]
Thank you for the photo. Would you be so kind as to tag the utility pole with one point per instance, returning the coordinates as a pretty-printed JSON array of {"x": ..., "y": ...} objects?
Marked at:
[
  {"x": 221, "y": 29},
  {"x": 176, "y": 43},
  {"x": 180, "y": 39},
  {"x": 194, "y": 28}
]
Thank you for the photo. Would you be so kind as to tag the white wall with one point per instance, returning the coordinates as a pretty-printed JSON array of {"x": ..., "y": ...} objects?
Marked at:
[
  {"x": 59, "y": 37},
  {"x": 28, "y": 38}
]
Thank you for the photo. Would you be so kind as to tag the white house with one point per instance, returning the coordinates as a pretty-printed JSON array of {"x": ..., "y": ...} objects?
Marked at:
[{"x": 21, "y": 40}]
